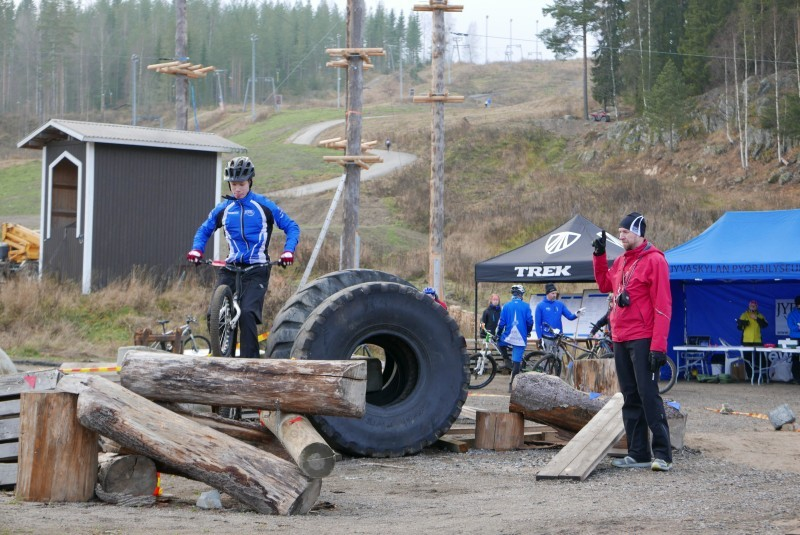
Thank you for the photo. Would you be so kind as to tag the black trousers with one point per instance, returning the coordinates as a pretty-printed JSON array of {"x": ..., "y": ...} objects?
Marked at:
[
  {"x": 251, "y": 301},
  {"x": 642, "y": 406}
]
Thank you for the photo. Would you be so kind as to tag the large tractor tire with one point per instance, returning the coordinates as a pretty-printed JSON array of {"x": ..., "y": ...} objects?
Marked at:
[
  {"x": 290, "y": 318},
  {"x": 424, "y": 366}
]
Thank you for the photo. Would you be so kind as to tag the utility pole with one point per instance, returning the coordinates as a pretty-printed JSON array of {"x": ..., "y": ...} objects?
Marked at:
[
  {"x": 438, "y": 97},
  {"x": 355, "y": 88},
  {"x": 486, "y": 40},
  {"x": 338, "y": 80},
  {"x": 220, "y": 96},
  {"x": 253, "y": 39},
  {"x": 181, "y": 82},
  {"x": 401, "y": 70},
  {"x": 134, "y": 64}
]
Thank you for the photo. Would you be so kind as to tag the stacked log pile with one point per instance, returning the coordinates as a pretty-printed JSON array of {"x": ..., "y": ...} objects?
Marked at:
[{"x": 274, "y": 467}]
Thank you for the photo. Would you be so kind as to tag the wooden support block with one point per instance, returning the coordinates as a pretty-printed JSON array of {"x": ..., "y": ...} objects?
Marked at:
[
  {"x": 454, "y": 445},
  {"x": 308, "y": 449},
  {"x": 499, "y": 431},
  {"x": 254, "y": 477},
  {"x": 132, "y": 475},
  {"x": 596, "y": 375},
  {"x": 335, "y": 388},
  {"x": 57, "y": 455},
  {"x": 585, "y": 451}
]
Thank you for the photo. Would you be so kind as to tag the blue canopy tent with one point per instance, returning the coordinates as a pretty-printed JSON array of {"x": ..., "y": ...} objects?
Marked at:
[{"x": 742, "y": 256}]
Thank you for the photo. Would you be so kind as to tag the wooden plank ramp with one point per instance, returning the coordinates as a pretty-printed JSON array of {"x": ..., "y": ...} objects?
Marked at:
[{"x": 585, "y": 451}]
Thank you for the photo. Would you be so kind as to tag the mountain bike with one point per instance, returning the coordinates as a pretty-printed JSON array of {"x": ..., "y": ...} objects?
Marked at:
[
  {"x": 561, "y": 361},
  {"x": 191, "y": 344},
  {"x": 483, "y": 364},
  {"x": 224, "y": 310}
]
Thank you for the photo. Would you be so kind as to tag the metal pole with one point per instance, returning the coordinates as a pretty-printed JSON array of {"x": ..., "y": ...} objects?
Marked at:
[
  {"x": 134, "y": 62},
  {"x": 253, "y": 39},
  {"x": 486, "y": 40},
  {"x": 323, "y": 232}
]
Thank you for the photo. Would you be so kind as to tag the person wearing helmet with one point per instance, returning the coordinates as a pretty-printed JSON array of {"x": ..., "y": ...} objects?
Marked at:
[
  {"x": 549, "y": 311},
  {"x": 247, "y": 220},
  {"x": 514, "y": 328},
  {"x": 432, "y": 293}
]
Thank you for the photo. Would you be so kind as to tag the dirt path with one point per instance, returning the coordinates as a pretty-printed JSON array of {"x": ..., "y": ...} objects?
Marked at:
[{"x": 737, "y": 475}]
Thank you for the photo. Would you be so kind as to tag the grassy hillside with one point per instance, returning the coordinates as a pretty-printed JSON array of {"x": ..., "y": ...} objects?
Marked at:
[{"x": 512, "y": 172}]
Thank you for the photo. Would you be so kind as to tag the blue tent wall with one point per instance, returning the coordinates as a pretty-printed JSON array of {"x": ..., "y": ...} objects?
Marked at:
[
  {"x": 711, "y": 308},
  {"x": 742, "y": 256}
]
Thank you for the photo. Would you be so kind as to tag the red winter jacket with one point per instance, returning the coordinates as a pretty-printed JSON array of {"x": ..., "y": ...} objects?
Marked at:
[{"x": 650, "y": 311}]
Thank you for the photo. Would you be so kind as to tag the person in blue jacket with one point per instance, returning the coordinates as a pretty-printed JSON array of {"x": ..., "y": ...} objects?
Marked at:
[
  {"x": 514, "y": 328},
  {"x": 550, "y": 311},
  {"x": 793, "y": 322},
  {"x": 247, "y": 219}
]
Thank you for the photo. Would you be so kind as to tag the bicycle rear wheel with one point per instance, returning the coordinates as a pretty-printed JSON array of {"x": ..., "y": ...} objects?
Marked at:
[
  {"x": 197, "y": 346},
  {"x": 482, "y": 369},
  {"x": 220, "y": 312},
  {"x": 549, "y": 364},
  {"x": 666, "y": 376}
]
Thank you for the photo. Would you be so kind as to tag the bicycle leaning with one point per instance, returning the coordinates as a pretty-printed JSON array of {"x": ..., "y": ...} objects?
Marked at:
[
  {"x": 562, "y": 352},
  {"x": 483, "y": 364},
  {"x": 191, "y": 344}
]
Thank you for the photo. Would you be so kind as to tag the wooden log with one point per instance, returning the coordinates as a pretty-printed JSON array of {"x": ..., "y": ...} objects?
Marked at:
[
  {"x": 132, "y": 475},
  {"x": 256, "y": 478},
  {"x": 336, "y": 388},
  {"x": 549, "y": 400},
  {"x": 499, "y": 431},
  {"x": 596, "y": 375},
  {"x": 308, "y": 449},
  {"x": 57, "y": 456}
]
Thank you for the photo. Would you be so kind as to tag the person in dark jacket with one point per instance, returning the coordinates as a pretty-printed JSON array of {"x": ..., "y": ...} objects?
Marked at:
[
  {"x": 489, "y": 320},
  {"x": 640, "y": 317},
  {"x": 247, "y": 219}
]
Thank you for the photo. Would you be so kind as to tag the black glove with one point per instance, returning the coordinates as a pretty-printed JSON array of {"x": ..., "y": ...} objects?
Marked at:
[
  {"x": 599, "y": 244},
  {"x": 761, "y": 322},
  {"x": 657, "y": 359},
  {"x": 742, "y": 324}
]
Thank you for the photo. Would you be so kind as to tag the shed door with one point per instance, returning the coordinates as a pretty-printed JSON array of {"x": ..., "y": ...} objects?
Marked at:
[{"x": 64, "y": 252}]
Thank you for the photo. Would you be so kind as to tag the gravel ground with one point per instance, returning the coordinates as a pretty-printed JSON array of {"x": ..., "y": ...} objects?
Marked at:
[{"x": 736, "y": 475}]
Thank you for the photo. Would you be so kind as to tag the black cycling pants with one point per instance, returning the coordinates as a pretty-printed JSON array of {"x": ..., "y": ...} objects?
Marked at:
[{"x": 251, "y": 301}]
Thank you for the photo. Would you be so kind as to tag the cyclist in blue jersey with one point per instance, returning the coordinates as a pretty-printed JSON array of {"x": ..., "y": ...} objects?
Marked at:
[
  {"x": 247, "y": 219},
  {"x": 549, "y": 311},
  {"x": 514, "y": 328}
]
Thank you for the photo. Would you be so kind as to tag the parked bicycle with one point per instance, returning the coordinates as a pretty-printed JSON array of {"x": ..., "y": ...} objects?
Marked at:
[
  {"x": 561, "y": 362},
  {"x": 483, "y": 363},
  {"x": 191, "y": 344}
]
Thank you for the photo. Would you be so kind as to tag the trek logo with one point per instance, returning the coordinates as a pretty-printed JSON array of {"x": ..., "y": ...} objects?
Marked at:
[
  {"x": 560, "y": 241},
  {"x": 543, "y": 271}
]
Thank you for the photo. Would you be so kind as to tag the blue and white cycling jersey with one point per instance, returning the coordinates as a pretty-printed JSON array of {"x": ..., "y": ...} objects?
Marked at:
[{"x": 248, "y": 227}]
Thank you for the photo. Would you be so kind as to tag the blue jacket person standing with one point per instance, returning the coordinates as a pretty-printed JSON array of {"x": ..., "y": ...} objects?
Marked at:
[
  {"x": 247, "y": 219},
  {"x": 514, "y": 328}
]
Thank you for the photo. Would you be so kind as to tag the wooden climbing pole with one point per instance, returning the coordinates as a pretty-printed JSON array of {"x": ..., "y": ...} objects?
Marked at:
[{"x": 438, "y": 97}]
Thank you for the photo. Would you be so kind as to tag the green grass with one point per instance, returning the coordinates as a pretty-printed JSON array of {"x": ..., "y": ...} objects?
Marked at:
[{"x": 20, "y": 189}]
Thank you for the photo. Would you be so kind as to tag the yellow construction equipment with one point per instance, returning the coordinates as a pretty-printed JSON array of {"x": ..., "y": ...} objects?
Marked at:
[{"x": 22, "y": 242}]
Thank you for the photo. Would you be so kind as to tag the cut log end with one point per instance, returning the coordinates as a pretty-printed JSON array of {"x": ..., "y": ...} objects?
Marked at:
[{"x": 317, "y": 460}]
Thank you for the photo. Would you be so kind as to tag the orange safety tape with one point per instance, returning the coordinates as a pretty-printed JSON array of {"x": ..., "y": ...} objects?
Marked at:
[
  {"x": 158, "y": 490},
  {"x": 90, "y": 370}
]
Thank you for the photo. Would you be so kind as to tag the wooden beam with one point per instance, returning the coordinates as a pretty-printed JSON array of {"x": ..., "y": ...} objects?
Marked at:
[
  {"x": 249, "y": 475},
  {"x": 438, "y": 98},
  {"x": 9, "y": 429},
  {"x": 9, "y": 451},
  {"x": 308, "y": 449},
  {"x": 438, "y": 7},
  {"x": 8, "y": 474},
  {"x": 8, "y": 407},
  {"x": 156, "y": 66},
  {"x": 355, "y": 51},
  {"x": 335, "y": 388},
  {"x": 13, "y": 385},
  {"x": 585, "y": 451}
]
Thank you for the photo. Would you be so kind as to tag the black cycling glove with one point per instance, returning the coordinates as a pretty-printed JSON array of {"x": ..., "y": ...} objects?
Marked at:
[{"x": 599, "y": 244}]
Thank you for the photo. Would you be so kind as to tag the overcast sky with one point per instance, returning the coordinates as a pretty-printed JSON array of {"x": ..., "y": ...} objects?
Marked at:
[{"x": 510, "y": 22}]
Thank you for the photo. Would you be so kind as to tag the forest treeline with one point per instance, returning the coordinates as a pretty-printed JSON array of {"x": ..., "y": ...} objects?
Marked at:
[{"x": 62, "y": 57}]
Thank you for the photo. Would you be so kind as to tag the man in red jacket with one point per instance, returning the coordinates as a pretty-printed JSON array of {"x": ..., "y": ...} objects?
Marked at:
[{"x": 639, "y": 319}]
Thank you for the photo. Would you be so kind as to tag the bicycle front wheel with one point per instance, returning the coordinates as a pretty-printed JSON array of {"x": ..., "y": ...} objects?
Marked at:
[
  {"x": 482, "y": 369},
  {"x": 197, "y": 346},
  {"x": 666, "y": 376},
  {"x": 220, "y": 312}
]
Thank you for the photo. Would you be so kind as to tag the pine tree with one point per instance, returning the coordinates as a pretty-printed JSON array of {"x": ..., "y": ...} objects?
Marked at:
[
  {"x": 704, "y": 18},
  {"x": 668, "y": 109},
  {"x": 607, "y": 81}
]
